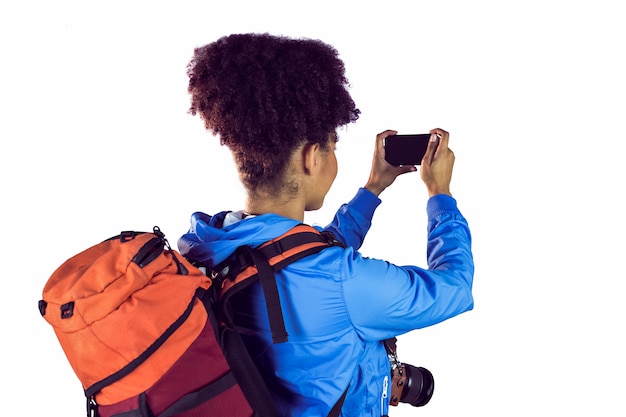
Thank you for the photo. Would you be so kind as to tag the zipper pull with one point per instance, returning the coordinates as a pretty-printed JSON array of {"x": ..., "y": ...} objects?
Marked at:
[
  {"x": 384, "y": 396},
  {"x": 385, "y": 386},
  {"x": 182, "y": 270}
]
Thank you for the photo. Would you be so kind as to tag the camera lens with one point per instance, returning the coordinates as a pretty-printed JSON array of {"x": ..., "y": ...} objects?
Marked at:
[{"x": 419, "y": 386}]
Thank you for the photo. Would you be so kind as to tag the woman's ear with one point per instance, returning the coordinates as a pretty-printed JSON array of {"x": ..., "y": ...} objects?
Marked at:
[{"x": 310, "y": 155}]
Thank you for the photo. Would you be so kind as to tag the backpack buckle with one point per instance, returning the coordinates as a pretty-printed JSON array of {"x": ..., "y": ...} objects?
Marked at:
[
  {"x": 127, "y": 235},
  {"x": 67, "y": 310}
]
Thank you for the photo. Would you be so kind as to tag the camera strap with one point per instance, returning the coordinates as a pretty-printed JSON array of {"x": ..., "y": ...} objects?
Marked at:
[
  {"x": 398, "y": 376},
  {"x": 390, "y": 346}
]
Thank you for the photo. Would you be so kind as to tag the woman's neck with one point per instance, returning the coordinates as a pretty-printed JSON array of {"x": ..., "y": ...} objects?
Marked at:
[{"x": 292, "y": 207}]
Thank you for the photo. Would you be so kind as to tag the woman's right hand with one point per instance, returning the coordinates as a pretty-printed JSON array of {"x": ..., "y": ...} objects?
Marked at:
[{"x": 437, "y": 164}]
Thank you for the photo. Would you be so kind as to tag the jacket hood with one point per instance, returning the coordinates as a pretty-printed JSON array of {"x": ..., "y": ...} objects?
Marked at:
[{"x": 209, "y": 242}]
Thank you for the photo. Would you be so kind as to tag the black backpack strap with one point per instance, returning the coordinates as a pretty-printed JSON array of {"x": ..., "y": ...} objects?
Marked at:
[
  {"x": 247, "y": 373},
  {"x": 336, "y": 410},
  {"x": 193, "y": 399},
  {"x": 272, "y": 299},
  {"x": 307, "y": 239},
  {"x": 299, "y": 242}
]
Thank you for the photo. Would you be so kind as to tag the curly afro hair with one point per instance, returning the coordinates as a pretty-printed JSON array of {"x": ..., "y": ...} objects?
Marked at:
[{"x": 265, "y": 95}]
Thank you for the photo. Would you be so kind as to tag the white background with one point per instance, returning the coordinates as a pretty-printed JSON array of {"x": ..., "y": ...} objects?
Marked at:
[{"x": 96, "y": 139}]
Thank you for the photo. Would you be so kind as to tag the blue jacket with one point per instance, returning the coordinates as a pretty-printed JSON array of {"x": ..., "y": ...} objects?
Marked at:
[{"x": 339, "y": 305}]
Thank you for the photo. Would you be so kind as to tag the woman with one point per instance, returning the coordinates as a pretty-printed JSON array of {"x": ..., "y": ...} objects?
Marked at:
[{"x": 276, "y": 103}]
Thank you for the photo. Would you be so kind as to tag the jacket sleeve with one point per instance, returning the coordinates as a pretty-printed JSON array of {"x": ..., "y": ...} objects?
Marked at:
[
  {"x": 385, "y": 300},
  {"x": 353, "y": 219}
]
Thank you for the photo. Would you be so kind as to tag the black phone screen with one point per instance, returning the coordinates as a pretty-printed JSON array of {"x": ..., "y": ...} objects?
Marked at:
[{"x": 406, "y": 149}]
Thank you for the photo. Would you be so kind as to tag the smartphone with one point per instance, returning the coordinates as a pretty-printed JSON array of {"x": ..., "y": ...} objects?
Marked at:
[{"x": 406, "y": 149}]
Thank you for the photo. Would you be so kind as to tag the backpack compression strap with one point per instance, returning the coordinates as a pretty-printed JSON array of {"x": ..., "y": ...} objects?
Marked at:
[{"x": 248, "y": 264}]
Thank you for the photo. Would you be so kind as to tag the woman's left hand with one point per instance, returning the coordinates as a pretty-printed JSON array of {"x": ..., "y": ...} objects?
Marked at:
[{"x": 383, "y": 174}]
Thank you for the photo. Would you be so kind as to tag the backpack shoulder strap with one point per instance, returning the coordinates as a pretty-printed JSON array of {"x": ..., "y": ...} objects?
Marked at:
[
  {"x": 249, "y": 264},
  {"x": 336, "y": 410}
]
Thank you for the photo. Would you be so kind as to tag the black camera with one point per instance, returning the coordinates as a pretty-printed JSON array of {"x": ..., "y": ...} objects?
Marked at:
[{"x": 410, "y": 384}]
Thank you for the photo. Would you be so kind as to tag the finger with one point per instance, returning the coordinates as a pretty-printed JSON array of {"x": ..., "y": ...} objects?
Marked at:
[
  {"x": 386, "y": 133},
  {"x": 382, "y": 135},
  {"x": 439, "y": 131},
  {"x": 404, "y": 169},
  {"x": 443, "y": 135},
  {"x": 380, "y": 141},
  {"x": 433, "y": 144}
]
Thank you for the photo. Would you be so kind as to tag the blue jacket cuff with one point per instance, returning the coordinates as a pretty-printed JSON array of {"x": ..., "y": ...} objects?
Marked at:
[
  {"x": 441, "y": 203},
  {"x": 366, "y": 201}
]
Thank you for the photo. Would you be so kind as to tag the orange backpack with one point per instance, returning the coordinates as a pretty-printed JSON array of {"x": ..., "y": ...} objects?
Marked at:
[{"x": 148, "y": 334}]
